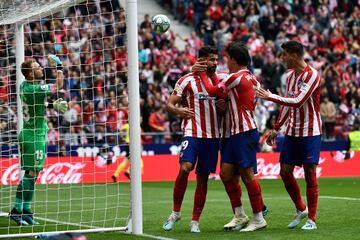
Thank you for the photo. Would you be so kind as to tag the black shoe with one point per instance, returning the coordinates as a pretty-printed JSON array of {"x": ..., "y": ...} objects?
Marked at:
[
  {"x": 29, "y": 217},
  {"x": 127, "y": 174},
  {"x": 17, "y": 217},
  {"x": 265, "y": 211},
  {"x": 114, "y": 178}
]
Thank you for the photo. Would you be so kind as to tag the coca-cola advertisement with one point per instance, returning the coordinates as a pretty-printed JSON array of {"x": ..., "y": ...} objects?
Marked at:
[{"x": 67, "y": 170}]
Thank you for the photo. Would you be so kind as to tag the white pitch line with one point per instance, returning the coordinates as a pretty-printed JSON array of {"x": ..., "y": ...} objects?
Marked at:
[
  {"x": 3, "y": 214},
  {"x": 66, "y": 223},
  {"x": 94, "y": 227},
  {"x": 156, "y": 237},
  {"x": 340, "y": 198}
]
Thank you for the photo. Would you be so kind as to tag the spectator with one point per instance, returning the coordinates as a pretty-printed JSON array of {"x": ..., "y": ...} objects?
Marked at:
[
  {"x": 157, "y": 125},
  {"x": 52, "y": 137},
  {"x": 328, "y": 113}
]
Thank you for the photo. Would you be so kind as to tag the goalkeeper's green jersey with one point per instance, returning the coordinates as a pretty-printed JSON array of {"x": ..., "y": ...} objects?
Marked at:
[{"x": 33, "y": 101}]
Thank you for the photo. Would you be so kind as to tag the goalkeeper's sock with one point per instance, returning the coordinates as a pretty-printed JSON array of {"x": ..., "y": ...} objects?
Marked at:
[
  {"x": 292, "y": 187},
  {"x": 29, "y": 186},
  {"x": 121, "y": 166},
  {"x": 179, "y": 191},
  {"x": 18, "y": 204},
  {"x": 24, "y": 193},
  {"x": 199, "y": 201},
  {"x": 233, "y": 190},
  {"x": 255, "y": 197},
  {"x": 312, "y": 192}
]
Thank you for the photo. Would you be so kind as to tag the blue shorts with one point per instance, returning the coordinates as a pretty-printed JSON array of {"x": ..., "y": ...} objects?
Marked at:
[
  {"x": 223, "y": 143},
  {"x": 240, "y": 149},
  {"x": 200, "y": 151},
  {"x": 300, "y": 150}
]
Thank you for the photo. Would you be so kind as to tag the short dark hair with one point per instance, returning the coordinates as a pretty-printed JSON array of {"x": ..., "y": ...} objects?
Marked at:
[
  {"x": 293, "y": 47},
  {"x": 238, "y": 51},
  {"x": 26, "y": 67},
  {"x": 206, "y": 51}
]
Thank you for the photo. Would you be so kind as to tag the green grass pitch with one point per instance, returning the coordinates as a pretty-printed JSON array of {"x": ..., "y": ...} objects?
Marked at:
[{"x": 338, "y": 210}]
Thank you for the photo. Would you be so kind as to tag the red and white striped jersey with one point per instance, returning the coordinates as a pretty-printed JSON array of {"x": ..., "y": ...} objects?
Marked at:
[
  {"x": 194, "y": 96},
  {"x": 301, "y": 104},
  {"x": 242, "y": 100},
  {"x": 225, "y": 126}
]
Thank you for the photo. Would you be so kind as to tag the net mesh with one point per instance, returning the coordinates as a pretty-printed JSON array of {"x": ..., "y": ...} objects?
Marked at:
[{"x": 75, "y": 190}]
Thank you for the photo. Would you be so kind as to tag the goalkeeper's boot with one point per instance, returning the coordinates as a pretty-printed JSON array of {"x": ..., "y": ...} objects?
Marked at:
[
  {"x": 170, "y": 222},
  {"x": 254, "y": 225},
  {"x": 309, "y": 225},
  {"x": 29, "y": 217},
  {"x": 237, "y": 223},
  {"x": 194, "y": 227},
  {"x": 298, "y": 217},
  {"x": 17, "y": 217}
]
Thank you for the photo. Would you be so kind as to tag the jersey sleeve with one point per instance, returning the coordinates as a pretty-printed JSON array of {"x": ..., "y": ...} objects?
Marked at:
[
  {"x": 219, "y": 90},
  {"x": 34, "y": 88},
  {"x": 282, "y": 118},
  {"x": 232, "y": 81},
  {"x": 310, "y": 83},
  {"x": 180, "y": 87}
]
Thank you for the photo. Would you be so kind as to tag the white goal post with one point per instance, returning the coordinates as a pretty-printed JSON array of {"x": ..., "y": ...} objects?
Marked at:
[{"x": 19, "y": 13}]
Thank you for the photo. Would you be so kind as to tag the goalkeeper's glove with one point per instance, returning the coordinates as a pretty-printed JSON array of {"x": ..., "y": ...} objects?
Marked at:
[
  {"x": 55, "y": 61},
  {"x": 60, "y": 105}
]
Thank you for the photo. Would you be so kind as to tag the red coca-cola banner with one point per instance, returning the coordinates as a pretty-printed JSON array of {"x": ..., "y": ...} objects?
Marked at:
[{"x": 164, "y": 168}]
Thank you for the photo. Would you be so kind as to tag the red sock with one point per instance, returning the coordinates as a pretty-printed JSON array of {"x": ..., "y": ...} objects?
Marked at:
[
  {"x": 292, "y": 187},
  {"x": 312, "y": 192},
  {"x": 179, "y": 191},
  {"x": 199, "y": 201},
  {"x": 233, "y": 190},
  {"x": 262, "y": 200},
  {"x": 255, "y": 197}
]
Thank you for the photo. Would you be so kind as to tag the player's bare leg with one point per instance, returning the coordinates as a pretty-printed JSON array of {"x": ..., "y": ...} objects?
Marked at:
[
  {"x": 292, "y": 187},
  {"x": 233, "y": 189},
  {"x": 178, "y": 195},
  {"x": 312, "y": 192},
  {"x": 255, "y": 196}
]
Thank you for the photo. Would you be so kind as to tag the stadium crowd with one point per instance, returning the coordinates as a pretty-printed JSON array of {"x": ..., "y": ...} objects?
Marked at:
[{"x": 90, "y": 40}]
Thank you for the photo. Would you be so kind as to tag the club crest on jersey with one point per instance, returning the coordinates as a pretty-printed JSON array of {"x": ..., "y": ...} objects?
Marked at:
[
  {"x": 204, "y": 96},
  {"x": 44, "y": 87}
]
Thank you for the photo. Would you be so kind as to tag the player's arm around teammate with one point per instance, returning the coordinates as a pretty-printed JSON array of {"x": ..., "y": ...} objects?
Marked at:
[
  {"x": 242, "y": 145},
  {"x": 229, "y": 173},
  {"x": 200, "y": 138}
]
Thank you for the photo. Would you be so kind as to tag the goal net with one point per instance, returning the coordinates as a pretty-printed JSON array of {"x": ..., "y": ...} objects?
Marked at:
[{"x": 76, "y": 190}]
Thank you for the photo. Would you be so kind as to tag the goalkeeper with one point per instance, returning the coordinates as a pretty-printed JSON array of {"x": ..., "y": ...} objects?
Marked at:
[{"x": 32, "y": 138}]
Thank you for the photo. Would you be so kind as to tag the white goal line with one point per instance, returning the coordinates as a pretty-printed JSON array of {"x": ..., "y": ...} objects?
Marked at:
[{"x": 92, "y": 229}]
